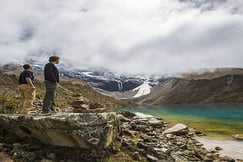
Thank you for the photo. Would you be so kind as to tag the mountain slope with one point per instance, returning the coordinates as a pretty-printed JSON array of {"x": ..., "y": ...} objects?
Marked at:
[
  {"x": 69, "y": 91},
  {"x": 104, "y": 79},
  {"x": 223, "y": 89},
  {"x": 216, "y": 86},
  {"x": 213, "y": 73}
]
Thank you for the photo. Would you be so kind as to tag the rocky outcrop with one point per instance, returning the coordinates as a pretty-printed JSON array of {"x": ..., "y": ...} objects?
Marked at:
[
  {"x": 88, "y": 131},
  {"x": 91, "y": 137}
]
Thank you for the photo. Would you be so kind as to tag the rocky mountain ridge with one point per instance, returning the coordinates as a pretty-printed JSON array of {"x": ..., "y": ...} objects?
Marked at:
[
  {"x": 224, "y": 89},
  {"x": 221, "y": 85}
]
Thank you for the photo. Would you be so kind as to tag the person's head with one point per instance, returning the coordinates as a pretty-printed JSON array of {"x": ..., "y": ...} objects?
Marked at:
[
  {"x": 27, "y": 67},
  {"x": 54, "y": 59}
]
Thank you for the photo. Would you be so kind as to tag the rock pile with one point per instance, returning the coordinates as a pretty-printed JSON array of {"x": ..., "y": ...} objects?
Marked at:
[
  {"x": 82, "y": 105},
  {"x": 149, "y": 139},
  {"x": 79, "y": 104},
  {"x": 91, "y": 137}
]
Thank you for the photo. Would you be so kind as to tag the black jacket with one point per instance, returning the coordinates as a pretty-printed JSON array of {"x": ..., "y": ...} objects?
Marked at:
[
  {"x": 26, "y": 74},
  {"x": 51, "y": 73}
]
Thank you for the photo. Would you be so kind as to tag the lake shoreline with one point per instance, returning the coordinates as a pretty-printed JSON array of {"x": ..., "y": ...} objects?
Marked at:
[
  {"x": 230, "y": 147},
  {"x": 216, "y": 120}
]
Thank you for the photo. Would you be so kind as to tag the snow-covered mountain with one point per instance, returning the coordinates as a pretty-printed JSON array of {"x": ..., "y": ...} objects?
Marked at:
[
  {"x": 144, "y": 89},
  {"x": 107, "y": 82},
  {"x": 122, "y": 86}
]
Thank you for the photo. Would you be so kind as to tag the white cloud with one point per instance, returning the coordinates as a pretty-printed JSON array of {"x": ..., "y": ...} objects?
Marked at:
[{"x": 131, "y": 36}]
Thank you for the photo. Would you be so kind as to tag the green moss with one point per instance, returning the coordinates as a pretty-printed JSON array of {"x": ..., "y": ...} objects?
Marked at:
[
  {"x": 212, "y": 127},
  {"x": 121, "y": 156},
  {"x": 39, "y": 94},
  {"x": 8, "y": 104}
]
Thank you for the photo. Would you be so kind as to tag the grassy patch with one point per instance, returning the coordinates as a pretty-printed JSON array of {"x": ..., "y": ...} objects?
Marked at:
[
  {"x": 212, "y": 127},
  {"x": 8, "y": 104}
]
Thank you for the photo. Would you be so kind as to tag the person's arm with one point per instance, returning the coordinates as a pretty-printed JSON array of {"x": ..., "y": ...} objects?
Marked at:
[
  {"x": 57, "y": 75},
  {"x": 53, "y": 73},
  {"x": 29, "y": 81}
]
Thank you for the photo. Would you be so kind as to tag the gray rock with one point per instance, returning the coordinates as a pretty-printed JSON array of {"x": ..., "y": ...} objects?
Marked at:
[
  {"x": 128, "y": 144},
  {"x": 114, "y": 150},
  {"x": 23, "y": 155},
  {"x": 89, "y": 130},
  {"x": 16, "y": 145},
  {"x": 178, "y": 157},
  {"x": 199, "y": 144},
  {"x": 51, "y": 156},
  {"x": 85, "y": 106},
  {"x": 146, "y": 138},
  {"x": 155, "y": 122},
  {"x": 78, "y": 103},
  {"x": 178, "y": 129},
  {"x": 136, "y": 156},
  {"x": 141, "y": 145},
  {"x": 199, "y": 133},
  {"x": 46, "y": 160},
  {"x": 218, "y": 148},
  {"x": 1, "y": 146},
  {"x": 227, "y": 159},
  {"x": 123, "y": 118},
  {"x": 210, "y": 157},
  {"x": 127, "y": 114},
  {"x": 152, "y": 158},
  {"x": 129, "y": 132}
]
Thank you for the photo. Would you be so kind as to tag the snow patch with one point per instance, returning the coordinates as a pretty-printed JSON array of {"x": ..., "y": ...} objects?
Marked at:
[
  {"x": 143, "y": 89},
  {"x": 94, "y": 76},
  {"x": 89, "y": 74}
]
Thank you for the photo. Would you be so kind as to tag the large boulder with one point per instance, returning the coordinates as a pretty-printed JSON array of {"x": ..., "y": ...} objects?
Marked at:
[
  {"x": 178, "y": 129},
  {"x": 88, "y": 130}
]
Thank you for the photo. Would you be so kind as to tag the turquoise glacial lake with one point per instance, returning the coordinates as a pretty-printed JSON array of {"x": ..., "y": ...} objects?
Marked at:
[{"x": 222, "y": 120}]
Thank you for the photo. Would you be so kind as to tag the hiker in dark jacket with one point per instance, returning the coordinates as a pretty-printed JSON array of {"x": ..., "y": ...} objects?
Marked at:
[
  {"x": 27, "y": 89},
  {"x": 51, "y": 75}
]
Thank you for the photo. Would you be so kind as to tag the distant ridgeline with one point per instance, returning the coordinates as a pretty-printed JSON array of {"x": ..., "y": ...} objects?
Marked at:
[
  {"x": 216, "y": 86},
  {"x": 224, "y": 89}
]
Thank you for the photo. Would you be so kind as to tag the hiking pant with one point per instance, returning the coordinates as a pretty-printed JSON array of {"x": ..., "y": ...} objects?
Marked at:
[
  {"x": 48, "y": 102},
  {"x": 27, "y": 96}
]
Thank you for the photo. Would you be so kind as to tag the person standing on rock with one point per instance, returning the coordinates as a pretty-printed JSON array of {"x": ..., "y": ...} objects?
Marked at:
[
  {"x": 51, "y": 76},
  {"x": 27, "y": 89}
]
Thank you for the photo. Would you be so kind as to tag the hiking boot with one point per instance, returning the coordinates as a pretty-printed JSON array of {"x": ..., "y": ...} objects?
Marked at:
[{"x": 52, "y": 108}]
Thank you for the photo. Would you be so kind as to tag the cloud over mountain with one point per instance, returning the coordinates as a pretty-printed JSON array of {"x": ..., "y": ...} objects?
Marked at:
[{"x": 131, "y": 36}]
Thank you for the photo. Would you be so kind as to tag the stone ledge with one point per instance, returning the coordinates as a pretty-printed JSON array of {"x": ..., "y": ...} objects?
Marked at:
[{"x": 79, "y": 130}]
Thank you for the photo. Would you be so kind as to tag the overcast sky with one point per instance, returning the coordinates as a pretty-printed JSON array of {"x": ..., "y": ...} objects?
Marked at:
[{"x": 127, "y": 36}]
